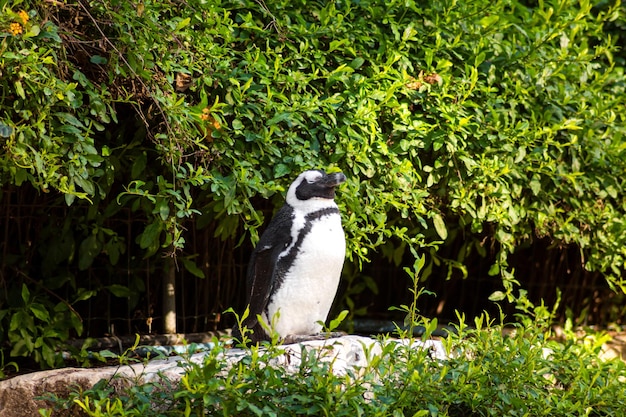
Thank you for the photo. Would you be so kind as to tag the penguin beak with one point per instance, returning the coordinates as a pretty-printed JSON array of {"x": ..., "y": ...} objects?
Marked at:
[{"x": 333, "y": 180}]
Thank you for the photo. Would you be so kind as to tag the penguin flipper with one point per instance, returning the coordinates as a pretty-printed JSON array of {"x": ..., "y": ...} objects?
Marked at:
[
  {"x": 260, "y": 281},
  {"x": 263, "y": 270}
]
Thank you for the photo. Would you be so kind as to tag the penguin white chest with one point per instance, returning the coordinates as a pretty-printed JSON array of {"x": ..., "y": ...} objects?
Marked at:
[{"x": 308, "y": 288}]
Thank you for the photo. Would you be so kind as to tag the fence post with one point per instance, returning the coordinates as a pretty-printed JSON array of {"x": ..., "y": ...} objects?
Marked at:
[{"x": 169, "y": 296}]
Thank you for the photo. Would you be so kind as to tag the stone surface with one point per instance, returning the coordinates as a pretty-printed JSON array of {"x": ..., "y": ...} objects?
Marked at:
[{"x": 18, "y": 396}]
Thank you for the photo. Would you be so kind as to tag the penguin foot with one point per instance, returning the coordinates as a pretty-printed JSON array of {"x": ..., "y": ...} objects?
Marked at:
[{"x": 299, "y": 338}]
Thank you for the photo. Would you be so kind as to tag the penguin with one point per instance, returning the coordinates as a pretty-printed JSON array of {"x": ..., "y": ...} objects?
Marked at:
[{"x": 294, "y": 270}]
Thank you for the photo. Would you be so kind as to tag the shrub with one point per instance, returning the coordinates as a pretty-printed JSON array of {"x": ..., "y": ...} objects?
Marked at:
[
  {"x": 482, "y": 124},
  {"x": 490, "y": 372}
]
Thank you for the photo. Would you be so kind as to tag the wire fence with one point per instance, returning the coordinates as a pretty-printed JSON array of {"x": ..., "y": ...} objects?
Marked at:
[{"x": 31, "y": 223}]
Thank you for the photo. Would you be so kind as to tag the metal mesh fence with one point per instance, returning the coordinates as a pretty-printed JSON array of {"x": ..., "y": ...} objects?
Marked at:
[{"x": 30, "y": 224}]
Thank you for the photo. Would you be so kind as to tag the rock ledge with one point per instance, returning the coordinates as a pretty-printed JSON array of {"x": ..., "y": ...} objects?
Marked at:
[{"x": 18, "y": 395}]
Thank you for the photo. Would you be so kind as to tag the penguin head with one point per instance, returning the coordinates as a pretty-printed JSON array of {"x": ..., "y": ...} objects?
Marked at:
[{"x": 314, "y": 185}]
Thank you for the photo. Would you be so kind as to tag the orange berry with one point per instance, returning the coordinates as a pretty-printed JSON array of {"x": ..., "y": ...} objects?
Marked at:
[
  {"x": 23, "y": 15},
  {"x": 15, "y": 29}
]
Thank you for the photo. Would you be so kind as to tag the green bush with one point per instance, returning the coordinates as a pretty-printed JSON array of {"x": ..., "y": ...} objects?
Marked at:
[
  {"x": 491, "y": 371},
  {"x": 491, "y": 114},
  {"x": 50, "y": 113},
  {"x": 486, "y": 123}
]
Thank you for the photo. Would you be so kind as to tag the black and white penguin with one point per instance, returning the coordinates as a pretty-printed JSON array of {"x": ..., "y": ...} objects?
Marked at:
[{"x": 295, "y": 268}]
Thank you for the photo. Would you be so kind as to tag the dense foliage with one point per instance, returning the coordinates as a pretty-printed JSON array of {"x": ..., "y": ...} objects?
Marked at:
[
  {"x": 484, "y": 122},
  {"x": 486, "y": 374}
]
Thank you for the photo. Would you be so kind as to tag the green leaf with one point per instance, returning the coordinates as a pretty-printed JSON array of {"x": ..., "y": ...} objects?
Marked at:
[
  {"x": 114, "y": 248},
  {"x": 71, "y": 119},
  {"x": 108, "y": 354},
  {"x": 494, "y": 270},
  {"x": 150, "y": 235},
  {"x": 139, "y": 166},
  {"x": 33, "y": 31},
  {"x": 191, "y": 267},
  {"x": 336, "y": 44},
  {"x": 535, "y": 186},
  {"x": 183, "y": 23},
  {"x": 120, "y": 290},
  {"x": 21, "y": 175},
  {"x": 19, "y": 89},
  {"x": 497, "y": 296},
  {"x": 334, "y": 323},
  {"x": 20, "y": 348},
  {"x": 86, "y": 185},
  {"x": 5, "y": 130},
  {"x": 440, "y": 226},
  {"x": 84, "y": 294},
  {"x": 237, "y": 125},
  {"x": 25, "y": 294},
  {"x": 77, "y": 322},
  {"x": 98, "y": 60},
  {"x": 281, "y": 117},
  {"x": 256, "y": 410},
  {"x": 479, "y": 59},
  {"x": 40, "y": 312},
  {"x": 69, "y": 198},
  {"x": 163, "y": 208},
  {"x": 87, "y": 251},
  {"x": 357, "y": 63},
  {"x": 280, "y": 170}
]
